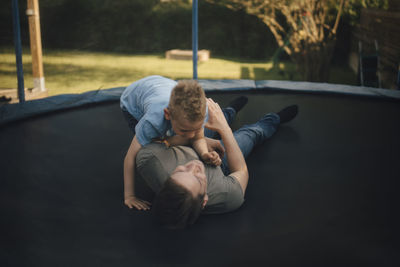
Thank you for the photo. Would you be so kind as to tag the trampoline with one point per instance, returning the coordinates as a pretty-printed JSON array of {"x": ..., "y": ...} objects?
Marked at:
[{"x": 322, "y": 191}]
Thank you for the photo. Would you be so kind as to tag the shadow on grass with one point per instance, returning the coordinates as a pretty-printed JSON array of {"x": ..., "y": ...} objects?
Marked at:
[
  {"x": 242, "y": 60},
  {"x": 66, "y": 73},
  {"x": 10, "y": 68},
  {"x": 284, "y": 72},
  {"x": 260, "y": 73},
  {"x": 244, "y": 73}
]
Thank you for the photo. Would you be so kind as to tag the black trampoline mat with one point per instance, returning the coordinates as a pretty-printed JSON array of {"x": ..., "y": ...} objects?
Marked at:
[{"x": 322, "y": 191}]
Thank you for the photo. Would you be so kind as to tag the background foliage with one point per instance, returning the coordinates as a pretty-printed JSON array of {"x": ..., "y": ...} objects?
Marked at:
[
  {"x": 142, "y": 26},
  {"x": 152, "y": 26}
]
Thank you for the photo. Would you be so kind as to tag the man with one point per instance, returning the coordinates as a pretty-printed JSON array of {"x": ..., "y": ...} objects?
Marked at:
[{"x": 185, "y": 187}]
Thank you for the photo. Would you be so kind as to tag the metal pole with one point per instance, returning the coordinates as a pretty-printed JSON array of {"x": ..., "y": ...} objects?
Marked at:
[
  {"x": 194, "y": 36},
  {"x": 18, "y": 51}
]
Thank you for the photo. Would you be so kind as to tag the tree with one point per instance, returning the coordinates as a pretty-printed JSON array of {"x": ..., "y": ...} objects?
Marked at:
[{"x": 304, "y": 29}]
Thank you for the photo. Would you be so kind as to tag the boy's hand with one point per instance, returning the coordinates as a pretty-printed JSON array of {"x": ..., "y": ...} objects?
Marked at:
[
  {"x": 211, "y": 158},
  {"x": 134, "y": 202},
  {"x": 215, "y": 145}
]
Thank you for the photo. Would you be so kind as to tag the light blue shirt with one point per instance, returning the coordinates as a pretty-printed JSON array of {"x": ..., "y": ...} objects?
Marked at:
[{"x": 145, "y": 100}]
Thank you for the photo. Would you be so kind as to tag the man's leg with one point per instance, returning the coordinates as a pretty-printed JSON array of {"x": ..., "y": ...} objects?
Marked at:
[
  {"x": 251, "y": 135},
  {"x": 230, "y": 113},
  {"x": 129, "y": 119}
]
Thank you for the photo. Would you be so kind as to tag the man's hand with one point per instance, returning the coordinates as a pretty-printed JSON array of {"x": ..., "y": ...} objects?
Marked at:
[
  {"x": 216, "y": 119},
  {"x": 134, "y": 202},
  {"x": 211, "y": 158}
]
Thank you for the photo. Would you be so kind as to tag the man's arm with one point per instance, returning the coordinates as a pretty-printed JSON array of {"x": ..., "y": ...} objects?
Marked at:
[
  {"x": 129, "y": 178},
  {"x": 236, "y": 161}
]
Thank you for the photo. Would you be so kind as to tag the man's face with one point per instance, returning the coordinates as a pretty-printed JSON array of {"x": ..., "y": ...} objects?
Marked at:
[
  {"x": 192, "y": 176},
  {"x": 183, "y": 127}
]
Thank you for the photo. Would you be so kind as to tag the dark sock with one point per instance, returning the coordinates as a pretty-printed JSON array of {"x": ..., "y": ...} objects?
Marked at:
[
  {"x": 288, "y": 113},
  {"x": 238, "y": 103}
]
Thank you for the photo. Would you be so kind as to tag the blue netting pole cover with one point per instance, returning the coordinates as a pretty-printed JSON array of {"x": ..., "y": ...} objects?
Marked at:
[
  {"x": 194, "y": 36},
  {"x": 18, "y": 51}
]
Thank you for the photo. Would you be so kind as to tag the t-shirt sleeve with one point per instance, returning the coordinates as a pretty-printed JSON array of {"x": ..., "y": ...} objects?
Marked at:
[
  {"x": 150, "y": 169},
  {"x": 145, "y": 132},
  {"x": 228, "y": 196},
  {"x": 235, "y": 197}
]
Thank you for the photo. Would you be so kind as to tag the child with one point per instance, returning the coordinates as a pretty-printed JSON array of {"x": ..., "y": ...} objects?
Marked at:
[{"x": 174, "y": 112}]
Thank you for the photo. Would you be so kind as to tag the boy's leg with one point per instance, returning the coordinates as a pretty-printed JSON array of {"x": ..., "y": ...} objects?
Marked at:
[{"x": 129, "y": 119}]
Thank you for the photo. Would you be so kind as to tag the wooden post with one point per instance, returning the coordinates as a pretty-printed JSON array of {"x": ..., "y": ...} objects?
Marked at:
[{"x": 36, "y": 44}]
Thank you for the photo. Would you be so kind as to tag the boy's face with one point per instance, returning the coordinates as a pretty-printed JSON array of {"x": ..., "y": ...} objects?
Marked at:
[{"x": 183, "y": 127}]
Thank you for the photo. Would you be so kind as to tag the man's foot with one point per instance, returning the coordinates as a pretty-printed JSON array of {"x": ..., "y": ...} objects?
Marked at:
[
  {"x": 238, "y": 103},
  {"x": 288, "y": 113}
]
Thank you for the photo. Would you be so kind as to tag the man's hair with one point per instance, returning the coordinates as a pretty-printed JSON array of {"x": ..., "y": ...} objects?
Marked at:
[
  {"x": 175, "y": 207},
  {"x": 188, "y": 100}
]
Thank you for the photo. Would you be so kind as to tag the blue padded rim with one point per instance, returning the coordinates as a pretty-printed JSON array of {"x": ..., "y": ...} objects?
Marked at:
[{"x": 13, "y": 112}]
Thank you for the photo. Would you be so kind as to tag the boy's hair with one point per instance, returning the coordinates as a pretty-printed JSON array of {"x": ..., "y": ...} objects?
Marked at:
[
  {"x": 188, "y": 100},
  {"x": 175, "y": 207}
]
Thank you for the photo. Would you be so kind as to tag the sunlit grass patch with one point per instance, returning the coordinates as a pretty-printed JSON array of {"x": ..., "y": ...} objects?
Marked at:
[{"x": 79, "y": 71}]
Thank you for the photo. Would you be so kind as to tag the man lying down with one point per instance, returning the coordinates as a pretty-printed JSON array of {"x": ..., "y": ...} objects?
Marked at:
[{"x": 185, "y": 187}]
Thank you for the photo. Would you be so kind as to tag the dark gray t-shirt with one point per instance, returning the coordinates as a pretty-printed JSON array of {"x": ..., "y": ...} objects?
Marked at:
[{"x": 155, "y": 162}]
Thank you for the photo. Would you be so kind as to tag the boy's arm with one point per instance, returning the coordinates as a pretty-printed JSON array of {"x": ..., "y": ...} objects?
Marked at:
[
  {"x": 202, "y": 146},
  {"x": 129, "y": 178},
  {"x": 177, "y": 140},
  {"x": 215, "y": 145},
  {"x": 199, "y": 144}
]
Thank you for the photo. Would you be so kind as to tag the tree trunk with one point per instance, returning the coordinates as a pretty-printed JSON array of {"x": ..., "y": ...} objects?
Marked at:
[{"x": 313, "y": 61}]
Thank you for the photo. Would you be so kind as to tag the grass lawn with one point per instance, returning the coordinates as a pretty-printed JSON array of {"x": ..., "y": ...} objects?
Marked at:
[{"x": 77, "y": 71}]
